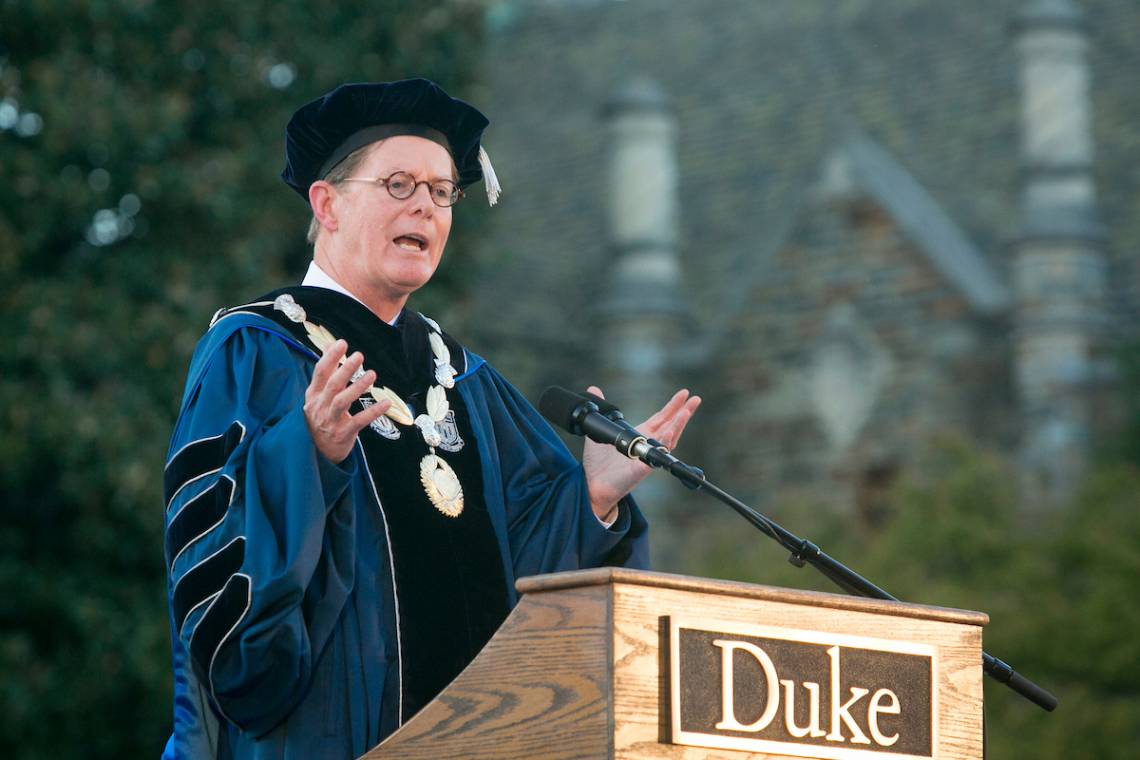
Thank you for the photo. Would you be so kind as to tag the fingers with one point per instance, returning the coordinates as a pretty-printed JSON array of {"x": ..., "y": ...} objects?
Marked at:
[
  {"x": 343, "y": 400},
  {"x": 327, "y": 364},
  {"x": 667, "y": 424},
  {"x": 670, "y": 435},
  {"x": 667, "y": 412},
  {"x": 370, "y": 414},
  {"x": 342, "y": 375}
]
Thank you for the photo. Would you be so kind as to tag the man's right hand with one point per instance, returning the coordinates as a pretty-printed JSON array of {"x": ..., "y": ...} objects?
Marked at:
[{"x": 328, "y": 398}]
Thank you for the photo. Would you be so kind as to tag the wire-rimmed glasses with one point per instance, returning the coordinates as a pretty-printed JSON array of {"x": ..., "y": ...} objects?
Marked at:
[{"x": 402, "y": 185}]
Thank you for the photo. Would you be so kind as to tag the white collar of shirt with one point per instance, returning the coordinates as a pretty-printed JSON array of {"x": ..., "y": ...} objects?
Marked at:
[{"x": 319, "y": 278}]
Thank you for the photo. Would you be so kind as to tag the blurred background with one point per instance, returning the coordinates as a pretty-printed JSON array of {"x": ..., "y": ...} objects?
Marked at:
[{"x": 893, "y": 244}]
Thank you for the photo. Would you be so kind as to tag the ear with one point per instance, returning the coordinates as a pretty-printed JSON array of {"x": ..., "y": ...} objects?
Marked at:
[{"x": 321, "y": 197}]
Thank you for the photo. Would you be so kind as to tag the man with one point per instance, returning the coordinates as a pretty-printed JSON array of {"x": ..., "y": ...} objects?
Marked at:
[{"x": 351, "y": 494}]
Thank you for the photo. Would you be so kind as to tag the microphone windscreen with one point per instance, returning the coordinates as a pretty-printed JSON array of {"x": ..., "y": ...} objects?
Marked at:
[
  {"x": 605, "y": 408},
  {"x": 558, "y": 405}
]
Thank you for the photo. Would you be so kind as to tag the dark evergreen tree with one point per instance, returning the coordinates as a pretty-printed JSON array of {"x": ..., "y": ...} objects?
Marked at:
[{"x": 140, "y": 143}]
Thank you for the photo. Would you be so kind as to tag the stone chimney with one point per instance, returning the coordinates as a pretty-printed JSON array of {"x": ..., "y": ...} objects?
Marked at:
[
  {"x": 1058, "y": 263},
  {"x": 640, "y": 312}
]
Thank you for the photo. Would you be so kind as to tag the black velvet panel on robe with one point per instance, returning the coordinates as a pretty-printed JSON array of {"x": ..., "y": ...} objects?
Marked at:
[{"x": 450, "y": 585}]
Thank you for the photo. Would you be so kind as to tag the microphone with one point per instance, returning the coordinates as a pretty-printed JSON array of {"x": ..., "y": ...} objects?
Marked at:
[
  {"x": 580, "y": 415},
  {"x": 612, "y": 413},
  {"x": 691, "y": 477}
]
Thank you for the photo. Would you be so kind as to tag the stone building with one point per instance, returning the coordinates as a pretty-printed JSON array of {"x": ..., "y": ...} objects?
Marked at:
[{"x": 851, "y": 226}]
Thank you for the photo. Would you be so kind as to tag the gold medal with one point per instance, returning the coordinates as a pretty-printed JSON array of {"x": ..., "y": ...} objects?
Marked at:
[{"x": 441, "y": 485}]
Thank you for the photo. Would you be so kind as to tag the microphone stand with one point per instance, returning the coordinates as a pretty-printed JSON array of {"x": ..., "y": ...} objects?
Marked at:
[{"x": 804, "y": 552}]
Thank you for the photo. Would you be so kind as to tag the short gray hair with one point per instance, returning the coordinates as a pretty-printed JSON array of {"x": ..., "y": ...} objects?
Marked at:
[{"x": 336, "y": 176}]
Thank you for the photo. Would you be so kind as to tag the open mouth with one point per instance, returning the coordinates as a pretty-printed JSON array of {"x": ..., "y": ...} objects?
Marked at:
[{"x": 411, "y": 242}]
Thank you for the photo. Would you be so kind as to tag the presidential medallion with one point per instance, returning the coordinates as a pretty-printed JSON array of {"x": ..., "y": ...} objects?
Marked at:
[
  {"x": 436, "y": 425},
  {"x": 441, "y": 485}
]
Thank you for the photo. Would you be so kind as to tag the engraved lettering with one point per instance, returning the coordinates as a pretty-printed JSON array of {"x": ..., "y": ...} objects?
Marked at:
[
  {"x": 790, "y": 710},
  {"x": 843, "y": 712},
  {"x": 728, "y": 710},
  {"x": 873, "y": 711},
  {"x": 866, "y": 688}
]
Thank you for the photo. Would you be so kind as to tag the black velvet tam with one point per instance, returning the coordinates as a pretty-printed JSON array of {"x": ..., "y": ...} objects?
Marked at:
[{"x": 323, "y": 132}]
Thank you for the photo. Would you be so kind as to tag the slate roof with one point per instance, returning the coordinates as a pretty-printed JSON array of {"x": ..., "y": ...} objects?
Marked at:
[
  {"x": 924, "y": 221},
  {"x": 763, "y": 92}
]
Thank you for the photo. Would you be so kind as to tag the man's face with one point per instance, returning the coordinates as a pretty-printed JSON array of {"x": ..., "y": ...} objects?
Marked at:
[{"x": 385, "y": 247}]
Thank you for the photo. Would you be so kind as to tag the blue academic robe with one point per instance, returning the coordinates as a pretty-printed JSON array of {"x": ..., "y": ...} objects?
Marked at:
[{"x": 283, "y": 605}]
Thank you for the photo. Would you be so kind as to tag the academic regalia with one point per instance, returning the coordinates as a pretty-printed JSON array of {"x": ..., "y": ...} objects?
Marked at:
[{"x": 316, "y": 606}]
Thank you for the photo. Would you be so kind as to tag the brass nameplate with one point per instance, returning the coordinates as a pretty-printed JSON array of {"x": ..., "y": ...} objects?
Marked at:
[{"x": 804, "y": 693}]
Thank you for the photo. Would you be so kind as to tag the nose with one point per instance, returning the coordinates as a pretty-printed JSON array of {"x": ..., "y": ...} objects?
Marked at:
[{"x": 421, "y": 203}]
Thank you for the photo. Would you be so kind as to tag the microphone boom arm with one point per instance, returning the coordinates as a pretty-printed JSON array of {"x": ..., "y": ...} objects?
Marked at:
[
  {"x": 601, "y": 421},
  {"x": 803, "y": 552}
]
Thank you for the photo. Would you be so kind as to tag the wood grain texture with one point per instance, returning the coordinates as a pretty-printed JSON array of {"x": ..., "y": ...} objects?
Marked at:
[
  {"x": 580, "y": 669},
  {"x": 540, "y": 688},
  {"x": 641, "y": 714},
  {"x": 607, "y": 575}
]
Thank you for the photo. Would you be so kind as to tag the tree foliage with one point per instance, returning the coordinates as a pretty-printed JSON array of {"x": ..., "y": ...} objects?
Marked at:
[{"x": 140, "y": 143}]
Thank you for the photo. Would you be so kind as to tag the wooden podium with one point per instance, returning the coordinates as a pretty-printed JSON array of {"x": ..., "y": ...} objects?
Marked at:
[{"x": 616, "y": 663}]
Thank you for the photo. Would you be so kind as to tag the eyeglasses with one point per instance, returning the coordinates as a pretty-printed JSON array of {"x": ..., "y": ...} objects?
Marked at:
[{"x": 401, "y": 186}]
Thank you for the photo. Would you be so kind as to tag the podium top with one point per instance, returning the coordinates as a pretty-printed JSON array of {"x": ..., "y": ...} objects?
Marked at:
[{"x": 603, "y": 576}]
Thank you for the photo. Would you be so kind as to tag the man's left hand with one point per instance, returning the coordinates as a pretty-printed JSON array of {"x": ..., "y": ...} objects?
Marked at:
[{"x": 610, "y": 475}]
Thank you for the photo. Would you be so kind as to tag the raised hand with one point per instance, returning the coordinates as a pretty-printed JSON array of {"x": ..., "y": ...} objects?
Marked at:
[
  {"x": 610, "y": 475},
  {"x": 328, "y": 398}
]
